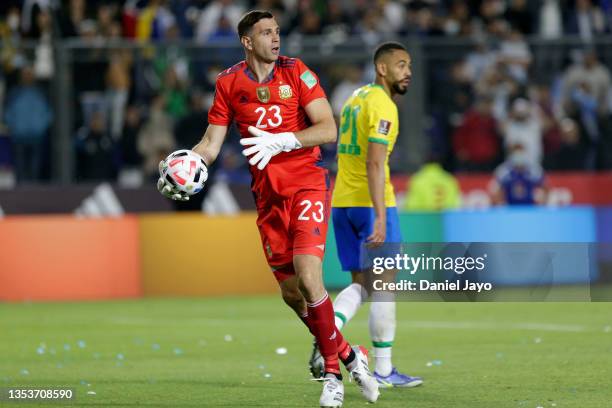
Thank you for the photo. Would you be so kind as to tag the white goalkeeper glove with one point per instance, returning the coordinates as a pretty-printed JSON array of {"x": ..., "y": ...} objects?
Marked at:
[
  {"x": 166, "y": 189},
  {"x": 266, "y": 145}
]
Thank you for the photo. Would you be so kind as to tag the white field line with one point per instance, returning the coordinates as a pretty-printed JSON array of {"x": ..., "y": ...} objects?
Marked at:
[
  {"x": 429, "y": 325},
  {"x": 495, "y": 326}
]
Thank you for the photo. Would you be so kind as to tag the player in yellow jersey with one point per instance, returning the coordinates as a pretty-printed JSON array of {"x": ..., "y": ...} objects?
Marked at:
[{"x": 363, "y": 203}]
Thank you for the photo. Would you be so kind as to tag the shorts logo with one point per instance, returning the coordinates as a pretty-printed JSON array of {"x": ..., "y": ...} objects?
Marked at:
[
  {"x": 308, "y": 79},
  {"x": 263, "y": 94},
  {"x": 268, "y": 250},
  {"x": 384, "y": 126},
  {"x": 284, "y": 91}
]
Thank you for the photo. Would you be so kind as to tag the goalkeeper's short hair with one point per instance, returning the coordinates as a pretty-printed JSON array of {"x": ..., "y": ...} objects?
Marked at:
[{"x": 250, "y": 19}]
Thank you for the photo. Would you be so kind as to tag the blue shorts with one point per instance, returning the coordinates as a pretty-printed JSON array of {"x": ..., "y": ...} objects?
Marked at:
[{"x": 353, "y": 225}]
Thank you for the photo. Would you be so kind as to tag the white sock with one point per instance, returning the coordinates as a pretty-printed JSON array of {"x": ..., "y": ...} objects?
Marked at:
[
  {"x": 382, "y": 330},
  {"x": 347, "y": 303},
  {"x": 382, "y": 358}
]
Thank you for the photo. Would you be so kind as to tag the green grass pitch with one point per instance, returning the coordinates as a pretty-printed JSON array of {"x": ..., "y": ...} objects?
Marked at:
[{"x": 221, "y": 352}]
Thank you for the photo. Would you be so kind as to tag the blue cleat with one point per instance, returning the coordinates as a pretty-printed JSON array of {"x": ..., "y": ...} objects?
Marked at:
[{"x": 397, "y": 379}]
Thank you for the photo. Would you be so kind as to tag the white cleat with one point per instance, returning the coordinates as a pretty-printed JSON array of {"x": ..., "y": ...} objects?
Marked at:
[
  {"x": 360, "y": 372},
  {"x": 333, "y": 392}
]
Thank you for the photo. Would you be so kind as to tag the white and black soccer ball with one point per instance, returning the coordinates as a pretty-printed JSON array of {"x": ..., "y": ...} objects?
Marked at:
[
  {"x": 185, "y": 170},
  {"x": 316, "y": 363}
]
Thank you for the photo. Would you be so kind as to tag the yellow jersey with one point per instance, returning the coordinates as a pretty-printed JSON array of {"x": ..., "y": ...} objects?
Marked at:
[{"x": 369, "y": 115}]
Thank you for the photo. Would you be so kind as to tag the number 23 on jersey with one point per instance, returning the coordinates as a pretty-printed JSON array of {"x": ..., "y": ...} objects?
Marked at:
[{"x": 269, "y": 118}]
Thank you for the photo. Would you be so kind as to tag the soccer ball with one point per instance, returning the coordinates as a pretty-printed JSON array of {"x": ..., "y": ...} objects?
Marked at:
[
  {"x": 185, "y": 170},
  {"x": 316, "y": 363}
]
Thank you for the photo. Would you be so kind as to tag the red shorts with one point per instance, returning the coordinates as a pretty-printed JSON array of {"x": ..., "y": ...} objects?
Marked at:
[{"x": 294, "y": 226}]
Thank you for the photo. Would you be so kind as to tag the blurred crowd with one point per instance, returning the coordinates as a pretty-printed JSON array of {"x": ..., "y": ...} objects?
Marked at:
[
  {"x": 497, "y": 107},
  {"x": 493, "y": 109},
  {"x": 214, "y": 20}
]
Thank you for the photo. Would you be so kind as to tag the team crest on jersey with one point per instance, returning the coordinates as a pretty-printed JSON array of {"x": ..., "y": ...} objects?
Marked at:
[
  {"x": 284, "y": 91},
  {"x": 384, "y": 126},
  {"x": 263, "y": 94}
]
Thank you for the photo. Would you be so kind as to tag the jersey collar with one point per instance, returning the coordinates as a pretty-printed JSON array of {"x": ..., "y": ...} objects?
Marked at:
[
  {"x": 252, "y": 76},
  {"x": 375, "y": 85}
]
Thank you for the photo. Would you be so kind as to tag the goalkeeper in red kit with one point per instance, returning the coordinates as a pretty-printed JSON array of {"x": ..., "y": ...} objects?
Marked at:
[{"x": 283, "y": 116}]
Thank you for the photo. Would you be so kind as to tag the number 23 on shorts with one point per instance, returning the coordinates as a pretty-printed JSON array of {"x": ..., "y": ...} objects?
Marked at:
[
  {"x": 309, "y": 218},
  {"x": 311, "y": 210},
  {"x": 311, "y": 207}
]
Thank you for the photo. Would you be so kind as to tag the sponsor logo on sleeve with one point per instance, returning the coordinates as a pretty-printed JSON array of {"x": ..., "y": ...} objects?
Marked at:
[
  {"x": 308, "y": 79},
  {"x": 384, "y": 126}
]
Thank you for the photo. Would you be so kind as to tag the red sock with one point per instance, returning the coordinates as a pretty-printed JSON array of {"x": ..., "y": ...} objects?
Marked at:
[
  {"x": 321, "y": 318},
  {"x": 344, "y": 348},
  {"x": 306, "y": 320}
]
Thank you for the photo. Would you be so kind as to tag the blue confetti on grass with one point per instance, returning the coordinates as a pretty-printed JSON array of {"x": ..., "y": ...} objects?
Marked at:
[
  {"x": 178, "y": 351},
  {"x": 82, "y": 344},
  {"x": 24, "y": 371}
]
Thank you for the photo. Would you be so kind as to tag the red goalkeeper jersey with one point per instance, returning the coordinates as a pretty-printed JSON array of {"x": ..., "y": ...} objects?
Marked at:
[{"x": 275, "y": 105}]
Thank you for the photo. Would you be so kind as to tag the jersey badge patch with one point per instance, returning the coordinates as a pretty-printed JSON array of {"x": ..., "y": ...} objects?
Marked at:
[
  {"x": 308, "y": 79},
  {"x": 285, "y": 92},
  {"x": 263, "y": 94},
  {"x": 384, "y": 126}
]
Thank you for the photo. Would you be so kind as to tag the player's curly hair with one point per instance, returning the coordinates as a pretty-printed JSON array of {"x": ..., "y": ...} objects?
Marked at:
[
  {"x": 250, "y": 19},
  {"x": 386, "y": 48}
]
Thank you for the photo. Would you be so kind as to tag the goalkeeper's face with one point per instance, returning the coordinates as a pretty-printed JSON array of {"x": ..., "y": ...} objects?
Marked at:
[
  {"x": 399, "y": 73},
  {"x": 264, "y": 40}
]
